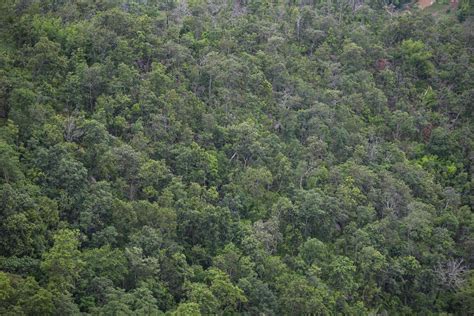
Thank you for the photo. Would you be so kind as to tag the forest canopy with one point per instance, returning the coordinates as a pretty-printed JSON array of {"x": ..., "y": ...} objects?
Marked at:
[{"x": 236, "y": 157}]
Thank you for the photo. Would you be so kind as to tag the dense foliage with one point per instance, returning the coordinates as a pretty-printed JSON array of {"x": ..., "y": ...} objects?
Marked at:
[{"x": 213, "y": 157}]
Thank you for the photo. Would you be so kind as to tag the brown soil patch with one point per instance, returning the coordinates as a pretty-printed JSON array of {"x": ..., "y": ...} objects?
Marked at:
[{"x": 425, "y": 3}]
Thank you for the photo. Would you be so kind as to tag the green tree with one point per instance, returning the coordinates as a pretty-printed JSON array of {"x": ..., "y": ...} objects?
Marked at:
[
  {"x": 62, "y": 263},
  {"x": 416, "y": 56}
]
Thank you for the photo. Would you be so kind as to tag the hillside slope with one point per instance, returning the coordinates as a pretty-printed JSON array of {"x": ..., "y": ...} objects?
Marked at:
[{"x": 220, "y": 157}]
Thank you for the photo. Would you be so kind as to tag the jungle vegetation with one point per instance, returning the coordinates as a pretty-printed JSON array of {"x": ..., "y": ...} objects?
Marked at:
[{"x": 191, "y": 157}]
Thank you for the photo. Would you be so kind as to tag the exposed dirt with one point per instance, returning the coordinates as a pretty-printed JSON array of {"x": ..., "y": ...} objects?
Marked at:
[{"x": 425, "y": 3}]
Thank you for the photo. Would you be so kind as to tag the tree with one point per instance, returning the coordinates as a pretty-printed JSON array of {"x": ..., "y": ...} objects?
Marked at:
[
  {"x": 228, "y": 295},
  {"x": 191, "y": 309},
  {"x": 24, "y": 296},
  {"x": 234, "y": 263},
  {"x": 62, "y": 263},
  {"x": 340, "y": 274},
  {"x": 10, "y": 169},
  {"x": 463, "y": 297},
  {"x": 417, "y": 57},
  {"x": 299, "y": 297},
  {"x": 46, "y": 60},
  {"x": 201, "y": 294}
]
